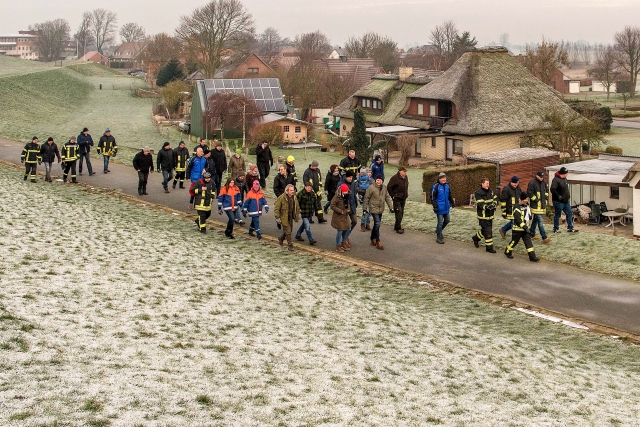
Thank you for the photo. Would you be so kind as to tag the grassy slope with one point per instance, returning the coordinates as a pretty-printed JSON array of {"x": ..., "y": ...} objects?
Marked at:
[
  {"x": 139, "y": 320},
  {"x": 12, "y": 66}
]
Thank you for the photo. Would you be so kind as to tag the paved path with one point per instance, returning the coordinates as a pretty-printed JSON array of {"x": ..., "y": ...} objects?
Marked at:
[
  {"x": 629, "y": 124},
  {"x": 577, "y": 293}
]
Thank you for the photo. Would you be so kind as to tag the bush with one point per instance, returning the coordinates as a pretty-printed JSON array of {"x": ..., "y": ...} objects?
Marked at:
[
  {"x": 622, "y": 113},
  {"x": 464, "y": 180},
  {"x": 613, "y": 150},
  {"x": 172, "y": 95}
]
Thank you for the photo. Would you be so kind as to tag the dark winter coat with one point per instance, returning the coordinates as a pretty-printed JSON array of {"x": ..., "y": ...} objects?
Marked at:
[
  {"x": 203, "y": 200},
  {"x": 85, "y": 142},
  {"x": 509, "y": 199},
  {"x": 331, "y": 184},
  {"x": 181, "y": 158},
  {"x": 538, "y": 193},
  {"x": 220, "y": 159},
  {"x": 291, "y": 171},
  {"x": 31, "y": 153},
  {"x": 204, "y": 147},
  {"x": 210, "y": 166},
  {"x": 164, "y": 160},
  {"x": 315, "y": 176},
  {"x": 398, "y": 187},
  {"x": 143, "y": 162},
  {"x": 249, "y": 178},
  {"x": 107, "y": 146},
  {"x": 377, "y": 169},
  {"x": 307, "y": 201},
  {"x": 280, "y": 182},
  {"x": 340, "y": 206},
  {"x": 264, "y": 155},
  {"x": 349, "y": 164},
  {"x": 353, "y": 200},
  {"x": 70, "y": 152},
  {"x": 49, "y": 152},
  {"x": 486, "y": 203},
  {"x": 560, "y": 189}
]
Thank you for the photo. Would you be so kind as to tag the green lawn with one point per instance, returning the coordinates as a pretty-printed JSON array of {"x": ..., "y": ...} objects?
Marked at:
[
  {"x": 627, "y": 139},
  {"x": 12, "y": 66}
]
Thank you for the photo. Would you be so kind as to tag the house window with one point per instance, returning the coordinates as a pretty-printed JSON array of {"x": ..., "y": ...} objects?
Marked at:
[
  {"x": 298, "y": 129},
  {"x": 377, "y": 104},
  {"x": 433, "y": 141},
  {"x": 286, "y": 128},
  {"x": 614, "y": 192},
  {"x": 454, "y": 146},
  {"x": 252, "y": 71},
  {"x": 418, "y": 146},
  {"x": 420, "y": 109},
  {"x": 432, "y": 110},
  {"x": 366, "y": 103}
]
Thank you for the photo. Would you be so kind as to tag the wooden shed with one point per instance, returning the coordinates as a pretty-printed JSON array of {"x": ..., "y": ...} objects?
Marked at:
[{"x": 520, "y": 162}]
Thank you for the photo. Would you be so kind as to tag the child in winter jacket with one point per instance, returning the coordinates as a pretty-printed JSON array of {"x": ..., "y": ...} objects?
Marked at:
[
  {"x": 362, "y": 183},
  {"x": 253, "y": 205}
]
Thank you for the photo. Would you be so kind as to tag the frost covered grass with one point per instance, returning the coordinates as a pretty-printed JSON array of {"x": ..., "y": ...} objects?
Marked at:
[
  {"x": 597, "y": 252},
  {"x": 13, "y": 66},
  {"x": 116, "y": 314},
  {"x": 627, "y": 139}
]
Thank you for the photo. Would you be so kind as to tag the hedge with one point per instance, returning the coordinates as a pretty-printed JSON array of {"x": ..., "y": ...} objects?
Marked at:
[
  {"x": 611, "y": 149},
  {"x": 464, "y": 180}
]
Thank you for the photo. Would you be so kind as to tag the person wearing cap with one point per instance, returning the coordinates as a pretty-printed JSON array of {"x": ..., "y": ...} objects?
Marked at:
[
  {"x": 307, "y": 199},
  {"x": 374, "y": 200},
  {"x": 31, "y": 158},
  {"x": 340, "y": 206},
  {"x": 281, "y": 180},
  {"x": 538, "y": 193},
  {"x": 442, "y": 201},
  {"x": 220, "y": 159},
  {"x": 291, "y": 170},
  {"x": 180, "y": 159},
  {"x": 143, "y": 163},
  {"x": 331, "y": 185},
  {"x": 201, "y": 144},
  {"x": 253, "y": 206},
  {"x": 236, "y": 163},
  {"x": 228, "y": 202},
  {"x": 313, "y": 175},
  {"x": 49, "y": 152},
  {"x": 561, "y": 198},
  {"x": 108, "y": 148},
  {"x": 264, "y": 160},
  {"x": 165, "y": 164},
  {"x": 85, "y": 142},
  {"x": 204, "y": 194},
  {"x": 350, "y": 181},
  {"x": 287, "y": 212},
  {"x": 350, "y": 163},
  {"x": 69, "y": 157},
  {"x": 377, "y": 166},
  {"x": 398, "y": 188},
  {"x": 508, "y": 201},
  {"x": 364, "y": 181},
  {"x": 521, "y": 223},
  {"x": 486, "y": 204}
]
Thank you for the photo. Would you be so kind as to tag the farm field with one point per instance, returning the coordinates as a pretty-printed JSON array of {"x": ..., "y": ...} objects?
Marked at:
[{"x": 132, "y": 318}]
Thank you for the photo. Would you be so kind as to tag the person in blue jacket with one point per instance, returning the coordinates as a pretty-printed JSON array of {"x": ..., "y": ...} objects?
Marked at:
[
  {"x": 442, "y": 202},
  {"x": 195, "y": 167},
  {"x": 377, "y": 166},
  {"x": 253, "y": 205}
]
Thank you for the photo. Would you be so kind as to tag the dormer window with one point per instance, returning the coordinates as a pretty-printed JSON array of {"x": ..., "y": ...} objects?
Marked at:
[{"x": 370, "y": 103}]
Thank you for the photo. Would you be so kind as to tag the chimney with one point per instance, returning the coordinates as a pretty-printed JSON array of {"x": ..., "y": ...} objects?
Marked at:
[{"x": 404, "y": 72}]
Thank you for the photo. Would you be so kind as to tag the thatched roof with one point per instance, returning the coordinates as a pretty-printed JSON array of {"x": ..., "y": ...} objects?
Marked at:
[{"x": 493, "y": 93}]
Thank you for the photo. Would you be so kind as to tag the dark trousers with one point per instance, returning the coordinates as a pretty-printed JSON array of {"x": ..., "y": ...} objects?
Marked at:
[
  {"x": 515, "y": 238},
  {"x": 167, "y": 175},
  {"x": 375, "y": 230},
  {"x": 398, "y": 207},
  {"x": 255, "y": 225},
  {"x": 217, "y": 180},
  {"x": 231, "y": 216},
  {"x": 142, "y": 182},
  {"x": 202, "y": 219},
  {"x": 319, "y": 211},
  {"x": 263, "y": 170},
  {"x": 179, "y": 177},
  {"x": 69, "y": 166},
  {"x": 486, "y": 232},
  {"x": 86, "y": 158},
  {"x": 30, "y": 171}
]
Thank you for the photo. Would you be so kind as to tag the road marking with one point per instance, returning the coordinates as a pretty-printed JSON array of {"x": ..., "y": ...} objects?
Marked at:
[{"x": 552, "y": 318}]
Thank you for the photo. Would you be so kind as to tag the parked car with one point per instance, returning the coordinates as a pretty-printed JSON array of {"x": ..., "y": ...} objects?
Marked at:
[
  {"x": 135, "y": 71},
  {"x": 185, "y": 127}
]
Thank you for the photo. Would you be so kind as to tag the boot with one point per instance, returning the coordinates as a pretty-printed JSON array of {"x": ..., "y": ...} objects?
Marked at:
[
  {"x": 547, "y": 240},
  {"x": 339, "y": 248},
  {"x": 312, "y": 242},
  {"x": 290, "y": 247},
  {"x": 363, "y": 228},
  {"x": 476, "y": 242},
  {"x": 144, "y": 190},
  {"x": 345, "y": 246},
  {"x": 299, "y": 239},
  {"x": 321, "y": 219},
  {"x": 508, "y": 254},
  {"x": 181, "y": 184},
  {"x": 368, "y": 227},
  {"x": 379, "y": 245},
  {"x": 533, "y": 257},
  {"x": 490, "y": 249},
  {"x": 203, "y": 230},
  {"x": 166, "y": 190},
  {"x": 440, "y": 239},
  {"x": 348, "y": 243},
  {"x": 281, "y": 240},
  {"x": 174, "y": 184},
  {"x": 374, "y": 242}
]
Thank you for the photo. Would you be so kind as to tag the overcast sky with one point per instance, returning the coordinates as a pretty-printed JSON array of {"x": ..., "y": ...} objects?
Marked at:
[{"x": 408, "y": 22}]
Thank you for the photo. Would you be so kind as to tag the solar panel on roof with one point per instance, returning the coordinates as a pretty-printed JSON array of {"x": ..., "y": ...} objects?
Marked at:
[{"x": 266, "y": 92}]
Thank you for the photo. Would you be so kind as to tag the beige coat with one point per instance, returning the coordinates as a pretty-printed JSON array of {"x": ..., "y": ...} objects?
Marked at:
[
  {"x": 375, "y": 197},
  {"x": 281, "y": 209},
  {"x": 340, "y": 219},
  {"x": 236, "y": 164}
]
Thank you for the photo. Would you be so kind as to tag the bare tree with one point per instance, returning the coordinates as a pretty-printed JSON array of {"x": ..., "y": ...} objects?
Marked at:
[
  {"x": 52, "y": 39},
  {"x": 311, "y": 46},
  {"x": 628, "y": 47},
  {"x": 132, "y": 32},
  {"x": 270, "y": 42},
  {"x": 335, "y": 88},
  {"x": 605, "y": 66},
  {"x": 406, "y": 145},
  {"x": 372, "y": 45},
  {"x": 270, "y": 132},
  {"x": 84, "y": 36},
  {"x": 103, "y": 27},
  {"x": 503, "y": 40},
  {"x": 211, "y": 31},
  {"x": 444, "y": 36},
  {"x": 160, "y": 49},
  {"x": 228, "y": 110},
  {"x": 543, "y": 60}
]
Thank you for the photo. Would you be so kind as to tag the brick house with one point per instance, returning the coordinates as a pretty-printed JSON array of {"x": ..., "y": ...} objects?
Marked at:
[
  {"x": 247, "y": 67},
  {"x": 126, "y": 56},
  {"x": 95, "y": 56}
]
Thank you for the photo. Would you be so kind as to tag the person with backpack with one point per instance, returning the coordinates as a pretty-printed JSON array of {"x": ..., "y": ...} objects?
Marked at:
[
  {"x": 362, "y": 183},
  {"x": 442, "y": 201},
  {"x": 204, "y": 193},
  {"x": 253, "y": 206}
]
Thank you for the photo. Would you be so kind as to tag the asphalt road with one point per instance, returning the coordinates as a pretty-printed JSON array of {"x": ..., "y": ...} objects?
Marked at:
[
  {"x": 576, "y": 293},
  {"x": 626, "y": 124}
]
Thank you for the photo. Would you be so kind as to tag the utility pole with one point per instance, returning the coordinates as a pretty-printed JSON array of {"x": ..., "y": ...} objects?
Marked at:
[{"x": 244, "y": 125}]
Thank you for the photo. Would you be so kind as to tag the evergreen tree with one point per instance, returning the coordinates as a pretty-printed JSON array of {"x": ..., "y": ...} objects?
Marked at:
[
  {"x": 358, "y": 140},
  {"x": 170, "y": 72}
]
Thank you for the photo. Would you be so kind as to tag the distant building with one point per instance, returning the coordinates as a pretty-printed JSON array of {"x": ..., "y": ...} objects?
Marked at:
[
  {"x": 95, "y": 56},
  {"x": 127, "y": 56},
  {"x": 247, "y": 67},
  {"x": 19, "y": 45}
]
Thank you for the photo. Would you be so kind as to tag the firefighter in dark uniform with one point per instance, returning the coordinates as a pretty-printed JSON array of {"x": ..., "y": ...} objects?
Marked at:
[
  {"x": 31, "y": 158},
  {"x": 108, "y": 148},
  {"x": 70, "y": 155},
  {"x": 508, "y": 201},
  {"x": 291, "y": 171},
  {"x": 202, "y": 144},
  {"x": 204, "y": 191},
  {"x": 521, "y": 223},
  {"x": 486, "y": 204},
  {"x": 313, "y": 175},
  {"x": 180, "y": 159},
  {"x": 350, "y": 163}
]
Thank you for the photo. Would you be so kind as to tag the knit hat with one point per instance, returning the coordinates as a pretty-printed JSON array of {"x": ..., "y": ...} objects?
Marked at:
[
  {"x": 241, "y": 173},
  {"x": 344, "y": 188},
  {"x": 523, "y": 196},
  {"x": 49, "y": 139},
  {"x": 253, "y": 166},
  {"x": 315, "y": 163},
  {"x": 147, "y": 148},
  {"x": 442, "y": 175},
  {"x": 377, "y": 157},
  {"x": 378, "y": 177},
  {"x": 181, "y": 143},
  {"x": 34, "y": 138},
  {"x": 239, "y": 150},
  {"x": 85, "y": 130},
  {"x": 206, "y": 174},
  {"x": 166, "y": 144},
  {"x": 206, "y": 151},
  {"x": 290, "y": 159},
  {"x": 350, "y": 173},
  {"x": 563, "y": 170},
  {"x": 540, "y": 174},
  {"x": 515, "y": 179},
  {"x": 107, "y": 130},
  {"x": 218, "y": 144},
  {"x": 363, "y": 170}
]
